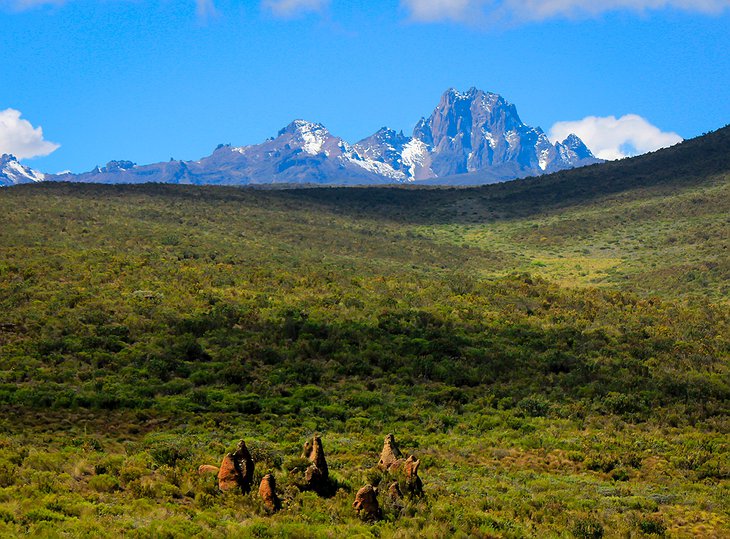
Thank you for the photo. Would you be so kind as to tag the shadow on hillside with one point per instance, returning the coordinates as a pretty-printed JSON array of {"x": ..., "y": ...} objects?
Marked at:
[{"x": 688, "y": 164}]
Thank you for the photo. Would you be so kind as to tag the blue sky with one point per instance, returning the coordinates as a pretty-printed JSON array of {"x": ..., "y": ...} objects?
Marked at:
[{"x": 147, "y": 80}]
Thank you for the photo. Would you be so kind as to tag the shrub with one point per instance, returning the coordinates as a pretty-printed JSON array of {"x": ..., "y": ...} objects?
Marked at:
[
  {"x": 168, "y": 450},
  {"x": 7, "y": 473},
  {"x": 622, "y": 404},
  {"x": 587, "y": 528},
  {"x": 104, "y": 483},
  {"x": 601, "y": 462},
  {"x": 652, "y": 526},
  {"x": 6, "y": 516},
  {"x": 41, "y": 514},
  {"x": 534, "y": 406}
]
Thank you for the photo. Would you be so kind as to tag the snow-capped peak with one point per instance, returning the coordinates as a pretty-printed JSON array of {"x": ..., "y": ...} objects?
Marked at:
[
  {"x": 312, "y": 136},
  {"x": 13, "y": 173},
  {"x": 575, "y": 144}
]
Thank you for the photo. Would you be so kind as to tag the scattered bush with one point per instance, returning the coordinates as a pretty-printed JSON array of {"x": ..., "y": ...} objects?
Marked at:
[
  {"x": 104, "y": 483},
  {"x": 653, "y": 525},
  {"x": 587, "y": 528}
]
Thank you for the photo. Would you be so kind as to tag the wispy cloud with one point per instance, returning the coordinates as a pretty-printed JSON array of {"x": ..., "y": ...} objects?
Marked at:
[
  {"x": 205, "y": 8},
  {"x": 613, "y": 138},
  {"x": 28, "y": 4},
  {"x": 294, "y": 8},
  {"x": 538, "y": 10},
  {"x": 20, "y": 138}
]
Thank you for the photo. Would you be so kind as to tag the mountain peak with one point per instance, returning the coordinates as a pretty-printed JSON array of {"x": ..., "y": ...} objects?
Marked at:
[
  {"x": 13, "y": 173},
  {"x": 310, "y": 136},
  {"x": 114, "y": 166},
  {"x": 574, "y": 143},
  {"x": 302, "y": 126},
  {"x": 7, "y": 158},
  {"x": 471, "y": 93}
]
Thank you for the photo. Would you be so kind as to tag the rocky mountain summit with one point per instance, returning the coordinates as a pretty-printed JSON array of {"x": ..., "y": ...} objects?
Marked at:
[
  {"x": 13, "y": 173},
  {"x": 471, "y": 137}
]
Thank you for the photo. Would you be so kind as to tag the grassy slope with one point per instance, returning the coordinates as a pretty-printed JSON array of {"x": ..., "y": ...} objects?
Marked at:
[{"x": 145, "y": 329}]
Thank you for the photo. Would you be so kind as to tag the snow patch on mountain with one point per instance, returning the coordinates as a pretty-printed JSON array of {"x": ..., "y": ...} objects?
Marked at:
[
  {"x": 311, "y": 135},
  {"x": 377, "y": 167},
  {"x": 415, "y": 154}
]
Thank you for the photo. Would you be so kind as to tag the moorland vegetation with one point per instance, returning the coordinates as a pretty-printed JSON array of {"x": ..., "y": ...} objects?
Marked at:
[{"x": 555, "y": 350}]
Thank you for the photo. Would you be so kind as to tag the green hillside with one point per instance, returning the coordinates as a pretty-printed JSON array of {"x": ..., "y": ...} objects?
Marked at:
[{"x": 554, "y": 349}]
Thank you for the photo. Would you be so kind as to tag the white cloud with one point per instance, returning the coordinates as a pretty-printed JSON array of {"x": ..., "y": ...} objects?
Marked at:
[
  {"x": 435, "y": 10},
  {"x": 20, "y": 138},
  {"x": 293, "y": 8},
  {"x": 613, "y": 138},
  {"x": 537, "y": 10}
]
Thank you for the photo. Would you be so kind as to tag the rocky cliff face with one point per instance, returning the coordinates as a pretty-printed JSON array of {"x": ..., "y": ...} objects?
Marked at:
[
  {"x": 472, "y": 131},
  {"x": 471, "y": 137}
]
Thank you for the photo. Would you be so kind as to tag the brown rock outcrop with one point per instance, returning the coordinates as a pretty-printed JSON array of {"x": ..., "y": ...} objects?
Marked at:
[
  {"x": 413, "y": 482},
  {"x": 267, "y": 492},
  {"x": 228, "y": 477},
  {"x": 207, "y": 468},
  {"x": 390, "y": 454},
  {"x": 236, "y": 470},
  {"x": 391, "y": 460},
  {"x": 394, "y": 491},
  {"x": 317, "y": 457},
  {"x": 313, "y": 476},
  {"x": 317, "y": 474},
  {"x": 366, "y": 503}
]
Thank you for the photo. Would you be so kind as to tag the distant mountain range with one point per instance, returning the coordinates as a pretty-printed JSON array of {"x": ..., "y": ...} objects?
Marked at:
[{"x": 472, "y": 137}]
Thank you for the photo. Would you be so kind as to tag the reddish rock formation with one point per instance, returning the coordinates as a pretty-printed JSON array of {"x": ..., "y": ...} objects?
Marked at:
[
  {"x": 366, "y": 503},
  {"x": 391, "y": 460},
  {"x": 228, "y": 477},
  {"x": 207, "y": 468},
  {"x": 317, "y": 457},
  {"x": 317, "y": 474},
  {"x": 413, "y": 482},
  {"x": 267, "y": 492},
  {"x": 236, "y": 470},
  {"x": 390, "y": 454}
]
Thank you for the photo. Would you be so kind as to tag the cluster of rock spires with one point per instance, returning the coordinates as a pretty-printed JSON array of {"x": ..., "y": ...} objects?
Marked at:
[
  {"x": 391, "y": 461},
  {"x": 470, "y": 137},
  {"x": 317, "y": 473},
  {"x": 236, "y": 474},
  {"x": 236, "y": 470}
]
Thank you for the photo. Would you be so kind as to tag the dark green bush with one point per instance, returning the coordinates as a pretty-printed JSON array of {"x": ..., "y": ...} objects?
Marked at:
[
  {"x": 587, "y": 528},
  {"x": 653, "y": 525}
]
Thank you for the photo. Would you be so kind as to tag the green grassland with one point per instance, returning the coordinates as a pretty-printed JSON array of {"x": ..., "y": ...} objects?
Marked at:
[{"x": 555, "y": 350}]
